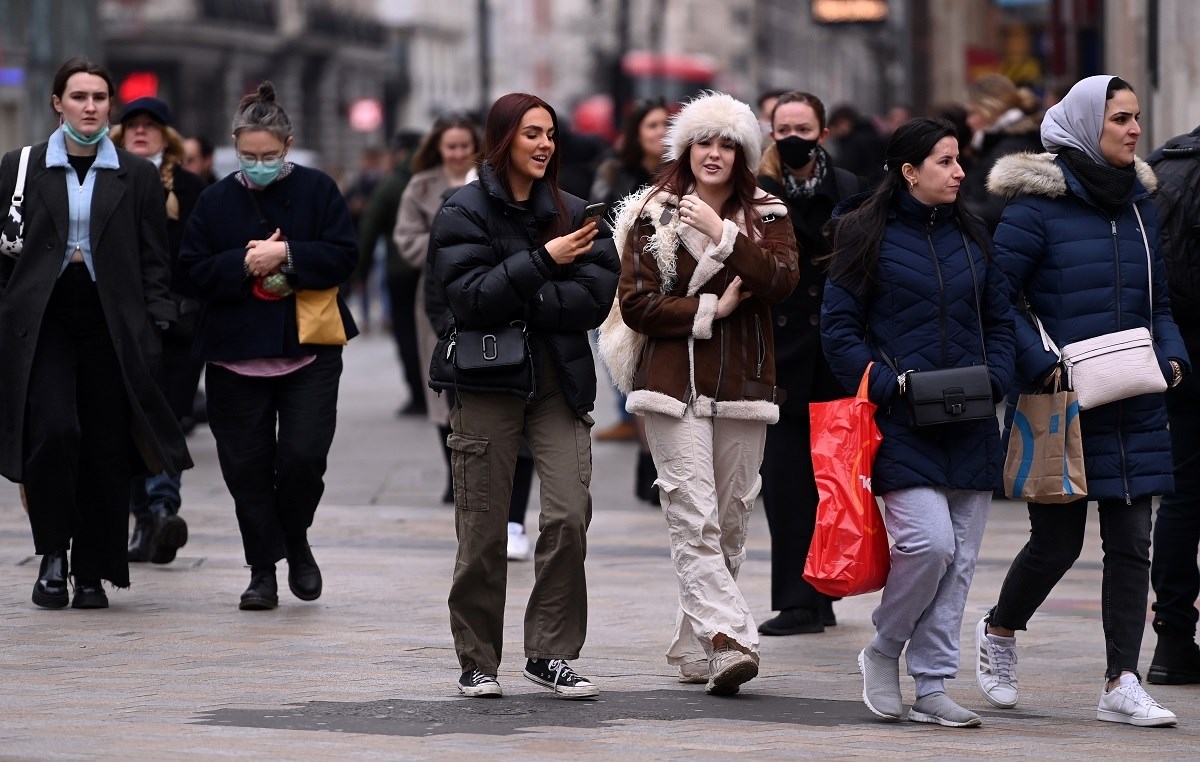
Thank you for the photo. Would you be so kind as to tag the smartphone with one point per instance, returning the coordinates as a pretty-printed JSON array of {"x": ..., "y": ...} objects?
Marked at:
[{"x": 594, "y": 213}]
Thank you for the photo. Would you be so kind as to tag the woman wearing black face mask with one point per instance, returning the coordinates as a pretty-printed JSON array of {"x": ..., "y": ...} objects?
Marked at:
[{"x": 798, "y": 170}]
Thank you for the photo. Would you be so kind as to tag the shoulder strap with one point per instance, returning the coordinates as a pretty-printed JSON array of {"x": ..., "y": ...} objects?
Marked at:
[
  {"x": 1149, "y": 266},
  {"x": 975, "y": 286},
  {"x": 19, "y": 189},
  {"x": 258, "y": 209}
]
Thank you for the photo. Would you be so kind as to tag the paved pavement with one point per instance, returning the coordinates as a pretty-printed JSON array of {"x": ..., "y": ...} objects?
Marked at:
[{"x": 174, "y": 670}]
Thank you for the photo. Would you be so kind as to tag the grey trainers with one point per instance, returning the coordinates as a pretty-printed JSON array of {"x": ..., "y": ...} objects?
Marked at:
[
  {"x": 940, "y": 710},
  {"x": 996, "y": 667},
  {"x": 728, "y": 668},
  {"x": 881, "y": 683},
  {"x": 694, "y": 671}
]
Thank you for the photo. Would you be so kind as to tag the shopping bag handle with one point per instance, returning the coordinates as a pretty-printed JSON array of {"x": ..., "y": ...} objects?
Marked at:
[{"x": 865, "y": 382}]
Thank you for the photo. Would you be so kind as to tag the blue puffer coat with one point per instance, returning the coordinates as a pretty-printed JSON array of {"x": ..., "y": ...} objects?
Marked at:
[
  {"x": 922, "y": 314},
  {"x": 1084, "y": 274}
]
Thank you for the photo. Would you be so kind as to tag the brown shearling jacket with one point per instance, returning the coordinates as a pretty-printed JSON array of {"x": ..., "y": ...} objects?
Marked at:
[{"x": 671, "y": 278}]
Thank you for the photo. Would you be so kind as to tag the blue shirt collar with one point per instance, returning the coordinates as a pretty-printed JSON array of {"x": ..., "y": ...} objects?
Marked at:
[{"x": 56, "y": 152}]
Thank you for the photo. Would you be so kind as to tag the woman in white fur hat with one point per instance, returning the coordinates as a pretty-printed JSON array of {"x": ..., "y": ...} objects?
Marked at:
[{"x": 704, "y": 255}]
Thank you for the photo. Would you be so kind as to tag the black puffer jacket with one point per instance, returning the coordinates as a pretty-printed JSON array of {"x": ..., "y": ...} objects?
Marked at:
[
  {"x": 1177, "y": 164},
  {"x": 486, "y": 256}
]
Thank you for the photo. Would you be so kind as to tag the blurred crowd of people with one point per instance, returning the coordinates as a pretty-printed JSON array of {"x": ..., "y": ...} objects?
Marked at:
[{"x": 728, "y": 266}]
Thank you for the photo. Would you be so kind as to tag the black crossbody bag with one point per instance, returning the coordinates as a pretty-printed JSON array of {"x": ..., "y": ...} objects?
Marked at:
[
  {"x": 952, "y": 395},
  {"x": 493, "y": 360}
]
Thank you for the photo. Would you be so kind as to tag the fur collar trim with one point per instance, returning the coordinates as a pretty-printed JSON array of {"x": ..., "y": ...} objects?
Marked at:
[
  {"x": 660, "y": 209},
  {"x": 1038, "y": 174}
]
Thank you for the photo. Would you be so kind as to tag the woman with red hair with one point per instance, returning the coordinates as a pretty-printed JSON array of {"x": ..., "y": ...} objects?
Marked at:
[{"x": 508, "y": 251}]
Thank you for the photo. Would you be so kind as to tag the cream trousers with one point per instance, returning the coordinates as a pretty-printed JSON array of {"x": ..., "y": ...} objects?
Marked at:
[{"x": 708, "y": 481}]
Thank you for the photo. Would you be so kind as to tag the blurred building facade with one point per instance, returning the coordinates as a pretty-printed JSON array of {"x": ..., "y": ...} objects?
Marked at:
[{"x": 352, "y": 71}]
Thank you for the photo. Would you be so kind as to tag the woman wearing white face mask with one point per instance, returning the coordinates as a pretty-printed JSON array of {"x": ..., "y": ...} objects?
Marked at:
[
  {"x": 255, "y": 238},
  {"x": 145, "y": 130},
  {"x": 78, "y": 309}
]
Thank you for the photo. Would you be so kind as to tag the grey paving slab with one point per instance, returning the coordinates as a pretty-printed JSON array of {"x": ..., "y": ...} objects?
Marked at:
[{"x": 174, "y": 670}]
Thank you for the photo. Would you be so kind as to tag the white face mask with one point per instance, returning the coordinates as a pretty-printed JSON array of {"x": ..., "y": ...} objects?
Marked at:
[{"x": 156, "y": 159}]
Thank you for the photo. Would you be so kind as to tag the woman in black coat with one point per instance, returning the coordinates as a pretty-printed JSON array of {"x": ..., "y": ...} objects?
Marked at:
[
  {"x": 797, "y": 169},
  {"x": 254, "y": 239},
  {"x": 508, "y": 251},
  {"x": 81, "y": 308},
  {"x": 145, "y": 130}
]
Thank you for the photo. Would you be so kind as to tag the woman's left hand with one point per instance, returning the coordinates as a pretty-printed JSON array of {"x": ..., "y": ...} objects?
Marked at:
[
  {"x": 266, "y": 257},
  {"x": 699, "y": 215}
]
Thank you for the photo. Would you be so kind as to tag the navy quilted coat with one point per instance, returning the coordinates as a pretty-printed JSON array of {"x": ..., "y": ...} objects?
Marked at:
[
  {"x": 922, "y": 314},
  {"x": 1084, "y": 274}
]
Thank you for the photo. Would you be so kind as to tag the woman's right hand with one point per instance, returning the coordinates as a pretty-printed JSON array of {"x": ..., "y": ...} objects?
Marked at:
[
  {"x": 732, "y": 297},
  {"x": 567, "y": 248}
]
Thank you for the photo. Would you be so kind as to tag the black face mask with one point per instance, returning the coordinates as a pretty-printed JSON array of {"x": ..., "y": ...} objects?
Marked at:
[{"x": 796, "y": 151}]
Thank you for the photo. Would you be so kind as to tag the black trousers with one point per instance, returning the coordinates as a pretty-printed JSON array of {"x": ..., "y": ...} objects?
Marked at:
[
  {"x": 402, "y": 293},
  {"x": 1173, "y": 571},
  {"x": 789, "y": 492},
  {"x": 77, "y": 441},
  {"x": 273, "y": 437},
  {"x": 1055, "y": 541}
]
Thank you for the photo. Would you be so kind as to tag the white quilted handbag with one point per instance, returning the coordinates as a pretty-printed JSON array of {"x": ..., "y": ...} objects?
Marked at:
[{"x": 1113, "y": 366}]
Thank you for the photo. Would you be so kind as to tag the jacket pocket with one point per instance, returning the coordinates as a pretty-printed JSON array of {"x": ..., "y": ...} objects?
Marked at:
[
  {"x": 761, "y": 344},
  {"x": 471, "y": 470}
]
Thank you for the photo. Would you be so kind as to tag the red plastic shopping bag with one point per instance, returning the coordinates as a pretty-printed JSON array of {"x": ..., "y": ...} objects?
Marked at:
[{"x": 849, "y": 550}]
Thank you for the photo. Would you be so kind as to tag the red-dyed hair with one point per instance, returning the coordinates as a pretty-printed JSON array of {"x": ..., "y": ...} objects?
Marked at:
[
  {"x": 499, "y": 134},
  {"x": 676, "y": 178}
]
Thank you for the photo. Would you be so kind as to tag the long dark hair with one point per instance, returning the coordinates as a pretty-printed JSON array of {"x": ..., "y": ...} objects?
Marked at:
[
  {"x": 428, "y": 154},
  {"x": 630, "y": 154},
  {"x": 676, "y": 178},
  {"x": 500, "y": 132},
  {"x": 857, "y": 234}
]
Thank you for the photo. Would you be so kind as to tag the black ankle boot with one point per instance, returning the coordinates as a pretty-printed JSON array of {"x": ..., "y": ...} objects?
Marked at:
[
  {"x": 141, "y": 542},
  {"x": 89, "y": 594},
  {"x": 304, "y": 576},
  {"x": 644, "y": 478},
  {"x": 263, "y": 593},
  {"x": 50, "y": 590},
  {"x": 170, "y": 534},
  {"x": 1176, "y": 660}
]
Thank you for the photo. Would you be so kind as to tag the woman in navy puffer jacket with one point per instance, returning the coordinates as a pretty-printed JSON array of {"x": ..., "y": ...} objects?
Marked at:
[
  {"x": 1071, "y": 242},
  {"x": 910, "y": 289}
]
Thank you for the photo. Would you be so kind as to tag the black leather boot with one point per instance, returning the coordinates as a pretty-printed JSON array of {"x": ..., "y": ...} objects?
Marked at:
[
  {"x": 263, "y": 592},
  {"x": 50, "y": 590},
  {"x": 304, "y": 577},
  {"x": 141, "y": 542},
  {"x": 170, "y": 534},
  {"x": 1176, "y": 660},
  {"x": 89, "y": 594}
]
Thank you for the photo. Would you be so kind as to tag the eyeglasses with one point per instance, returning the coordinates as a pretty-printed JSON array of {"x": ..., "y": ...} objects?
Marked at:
[{"x": 270, "y": 162}]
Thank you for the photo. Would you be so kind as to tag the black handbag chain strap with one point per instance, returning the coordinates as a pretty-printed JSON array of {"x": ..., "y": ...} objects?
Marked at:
[{"x": 978, "y": 297}]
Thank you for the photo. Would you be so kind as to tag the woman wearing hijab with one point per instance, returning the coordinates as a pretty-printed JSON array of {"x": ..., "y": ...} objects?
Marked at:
[{"x": 1074, "y": 242}]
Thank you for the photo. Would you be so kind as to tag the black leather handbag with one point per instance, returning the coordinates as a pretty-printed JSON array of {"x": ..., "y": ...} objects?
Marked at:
[
  {"x": 950, "y": 395},
  {"x": 495, "y": 360}
]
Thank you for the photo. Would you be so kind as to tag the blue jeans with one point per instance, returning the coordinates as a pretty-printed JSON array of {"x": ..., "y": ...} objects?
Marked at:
[
  {"x": 162, "y": 489},
  {"x": 1173, "y": 570}
]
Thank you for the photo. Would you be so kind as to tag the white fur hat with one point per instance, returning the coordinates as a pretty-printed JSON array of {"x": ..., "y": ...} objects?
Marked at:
[{"x": 711, "y": 115}]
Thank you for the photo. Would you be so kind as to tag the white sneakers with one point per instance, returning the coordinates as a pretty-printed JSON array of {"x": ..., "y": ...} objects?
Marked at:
[
  {"x": 1130, "y": 704},
  {"x": 996, "y": 666},
  {"x": 728, "y": 668},
  {"x": 518, "y": 542}
]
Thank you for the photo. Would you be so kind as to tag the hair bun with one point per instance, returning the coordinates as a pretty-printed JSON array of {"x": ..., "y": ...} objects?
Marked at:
[{"x": 266, "y": 91}]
